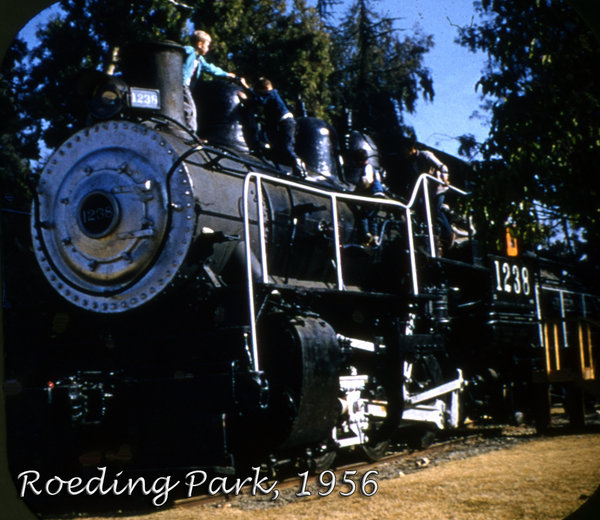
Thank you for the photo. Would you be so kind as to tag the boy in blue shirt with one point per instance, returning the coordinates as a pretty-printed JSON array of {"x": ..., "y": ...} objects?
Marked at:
[
  {"x": 280, "y": 125},
  {"x": 193, "y": 66}
]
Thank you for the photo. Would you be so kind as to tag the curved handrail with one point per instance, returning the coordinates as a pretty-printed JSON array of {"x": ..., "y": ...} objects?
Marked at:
[{"x": 258, "y": 178}]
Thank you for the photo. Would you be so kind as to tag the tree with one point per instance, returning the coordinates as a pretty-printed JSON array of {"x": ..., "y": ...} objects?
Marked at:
[
  {"x": 98, "y": 28},
  {"x": 544, "y": 141},
  {"x": 250, "y": 36},
  {"x": 378, "y": 75},
  {"x": 324, "y": 8},
  {"x": 256, "y": 38},
  {"x": 17, "y": 142}
]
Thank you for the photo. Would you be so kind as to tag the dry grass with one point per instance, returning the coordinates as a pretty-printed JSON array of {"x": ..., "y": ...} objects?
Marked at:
[{"x": 544, "y": 479}]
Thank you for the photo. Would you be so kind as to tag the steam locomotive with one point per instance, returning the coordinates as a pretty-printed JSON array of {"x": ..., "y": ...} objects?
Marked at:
[{"x": 198, "y": 306}]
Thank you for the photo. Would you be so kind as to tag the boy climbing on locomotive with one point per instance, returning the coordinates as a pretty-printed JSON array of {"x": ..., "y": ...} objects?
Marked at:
[
  {"x": 425, "y": 161},
  {"x": 193, "y": 66},
  {"x": 279, "y": 124},
  {"x": 369, "y": 184}
]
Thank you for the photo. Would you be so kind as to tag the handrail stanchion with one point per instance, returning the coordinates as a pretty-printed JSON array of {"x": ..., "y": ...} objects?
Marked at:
[
  {"x": 336, "y": 240},
  {"x": 538, "y": 312},
  {"x": 428, "y": 215},
  {"x": 563, "y": 316},
  {"x": 250, "y": 280},
  {"x": 411, "y": 250},
  {"x": 261, "y": 228}
]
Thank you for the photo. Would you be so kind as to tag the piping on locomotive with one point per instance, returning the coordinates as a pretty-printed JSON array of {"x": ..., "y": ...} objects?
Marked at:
[{"x": 213, "y": 311}]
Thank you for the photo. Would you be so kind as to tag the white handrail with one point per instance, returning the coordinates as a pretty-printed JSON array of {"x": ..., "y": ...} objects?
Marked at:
[
  {"x": 261, "y": 225},
  {"x": 248, "y": 248},
  {"x": 336, "y": 244},
  {"x": 334, "y": 197}
]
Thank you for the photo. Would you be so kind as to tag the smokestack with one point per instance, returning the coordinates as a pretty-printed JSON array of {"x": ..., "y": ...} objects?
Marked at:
[{"x": 157, "y": 65}]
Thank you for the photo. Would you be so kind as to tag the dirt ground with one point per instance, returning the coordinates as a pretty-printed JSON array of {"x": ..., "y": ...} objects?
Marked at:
[{"x": 545, "y": 479}]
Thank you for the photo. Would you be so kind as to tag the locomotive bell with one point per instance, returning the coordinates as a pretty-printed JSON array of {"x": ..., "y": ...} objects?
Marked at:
[{"x": 113, "y": 218}]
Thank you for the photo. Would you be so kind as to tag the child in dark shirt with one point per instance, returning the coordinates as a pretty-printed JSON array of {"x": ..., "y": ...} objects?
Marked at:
[{"x": 280, "y": 125}]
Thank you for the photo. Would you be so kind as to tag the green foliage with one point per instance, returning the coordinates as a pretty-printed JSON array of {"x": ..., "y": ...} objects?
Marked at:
[
  {"x": 376, "y": 71},
  {"x": 356, "y": 65},
  {"x": 544, "y": 142},
  {"x": 266, "y": 38},
  {"x": 16, "y": 140},
  {"x": 84, "y": 39}
]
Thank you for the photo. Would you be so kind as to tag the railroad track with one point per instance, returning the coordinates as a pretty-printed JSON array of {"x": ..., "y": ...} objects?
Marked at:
[{"x": 356, "y": 476}]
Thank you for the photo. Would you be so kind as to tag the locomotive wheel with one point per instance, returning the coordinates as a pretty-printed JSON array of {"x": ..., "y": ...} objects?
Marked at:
[
  {"x": 375, "y": 451},
  {"x": 324, "y": 460},
  {"x": 300, "y": 358},
  {"x": 575, "y": 405},
  {"x": 426, "y": 373},
  {"x": 420, "y": 438}
]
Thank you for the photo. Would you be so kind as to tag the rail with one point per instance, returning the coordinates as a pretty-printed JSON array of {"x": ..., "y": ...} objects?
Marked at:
[{"x": 334, "y": 197}]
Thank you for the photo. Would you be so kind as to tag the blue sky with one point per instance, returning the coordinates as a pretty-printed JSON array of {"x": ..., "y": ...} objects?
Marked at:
[{"x": 454, "y": 69}]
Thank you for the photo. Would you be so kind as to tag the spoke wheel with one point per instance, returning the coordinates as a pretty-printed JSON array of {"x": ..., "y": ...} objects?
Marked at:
[
  {"x": 324, "y": 460},
  {"x": 426, "y": 373},
  {"x": 376, "y": 450}
]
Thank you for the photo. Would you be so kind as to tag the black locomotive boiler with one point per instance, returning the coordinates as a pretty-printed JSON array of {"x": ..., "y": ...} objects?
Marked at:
[
  {"x": 172, "y": 343},
  {"x": 201, "y": 307}
]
